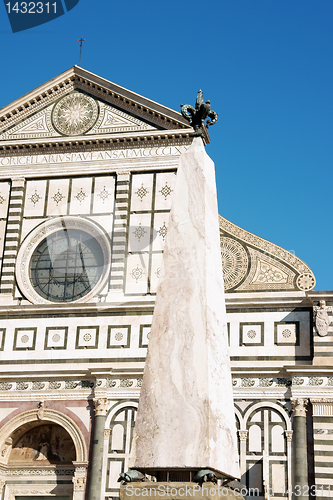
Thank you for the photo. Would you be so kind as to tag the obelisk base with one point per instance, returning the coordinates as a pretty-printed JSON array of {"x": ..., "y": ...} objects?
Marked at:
[{"x": 177, "y": 491}]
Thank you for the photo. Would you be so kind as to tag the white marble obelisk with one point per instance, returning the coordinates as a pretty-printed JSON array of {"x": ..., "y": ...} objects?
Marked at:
[{"x": 186, "y": 415}]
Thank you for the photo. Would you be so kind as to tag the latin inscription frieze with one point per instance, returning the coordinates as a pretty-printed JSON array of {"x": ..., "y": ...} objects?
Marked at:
[{"x": 91, "y": 156}]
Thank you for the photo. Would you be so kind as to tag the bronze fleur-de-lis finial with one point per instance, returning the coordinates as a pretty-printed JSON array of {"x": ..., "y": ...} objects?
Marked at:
[{"x": 197, "y": 116}]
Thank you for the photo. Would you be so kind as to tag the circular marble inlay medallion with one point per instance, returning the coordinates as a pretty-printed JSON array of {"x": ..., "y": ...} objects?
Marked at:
[
  {"x": 234, "y": 262},
  {"x": 118, "y": 336},
  {"x": 305, "y": 281},
  {"x": 251, "y": 334},
  {"x": 75, "y": 114}
]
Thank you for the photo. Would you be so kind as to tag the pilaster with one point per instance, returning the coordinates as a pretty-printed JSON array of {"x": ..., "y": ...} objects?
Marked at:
[
  {"x": 12, "y": 240},
  {"x": 117, "y": 280}
]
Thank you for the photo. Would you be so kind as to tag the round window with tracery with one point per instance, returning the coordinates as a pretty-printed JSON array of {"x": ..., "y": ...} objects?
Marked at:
[
  {"x": 63, "y": 260},
  {"x": 66, "y": 265}
]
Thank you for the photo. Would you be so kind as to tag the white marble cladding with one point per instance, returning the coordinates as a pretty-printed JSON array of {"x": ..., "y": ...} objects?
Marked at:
[
  {"x": 102, "y": 337},
  {"x": 274, "y": 337},
  {"x": 151, "y": 195},
  {"x": 69, "y": 196}
]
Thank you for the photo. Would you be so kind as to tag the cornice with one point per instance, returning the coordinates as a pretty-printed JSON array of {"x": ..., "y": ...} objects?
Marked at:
[
  {"x": 78, "y": 78},
  {"x": 75, "y": 309},
  {"x": 96, "y": 143}
]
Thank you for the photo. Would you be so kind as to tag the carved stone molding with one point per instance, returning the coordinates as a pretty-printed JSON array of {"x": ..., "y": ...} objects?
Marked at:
[
  {"x": 289, "y": 435},
  {"x": 243, "y": 435},
  {"x": 101, "y": 406},
  {"x": 41, "y": 410},
  {"x": 107, "y": 433},
  {"x": 322, "y": 407},
  {"x": 79, "y": 483},
  {"x": 299, "y": 406}
]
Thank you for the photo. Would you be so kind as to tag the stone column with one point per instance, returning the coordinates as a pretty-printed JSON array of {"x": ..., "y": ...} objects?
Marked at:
[
  {"x": 101, "y": 407},
  {"x": 300, "y": 448}
]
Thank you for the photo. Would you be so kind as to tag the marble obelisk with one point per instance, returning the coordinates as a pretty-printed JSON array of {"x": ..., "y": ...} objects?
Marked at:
[{"x": 186, "y": 419}]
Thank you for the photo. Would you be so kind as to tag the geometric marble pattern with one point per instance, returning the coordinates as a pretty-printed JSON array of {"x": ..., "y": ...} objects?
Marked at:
[
  {"x": 251, "y": 334},
  {"x": 56, "y": 337},
  {"x": 24, "y": 339},
  {"x": 270, "y": 266},
  {"x": 286, "y": 333},
  {"x": 119, "y": 336},
  {"x": 87, "y": 337}
]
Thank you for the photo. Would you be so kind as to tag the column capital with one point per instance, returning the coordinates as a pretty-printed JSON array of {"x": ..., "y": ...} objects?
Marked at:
[
  {"x": 101, "y": 406},
  {"x": 107, "y": 433},
  {"x": 243, "y": 435},
  {"x": 289, "y": 436},
  {"x": 299, "y": 406}
]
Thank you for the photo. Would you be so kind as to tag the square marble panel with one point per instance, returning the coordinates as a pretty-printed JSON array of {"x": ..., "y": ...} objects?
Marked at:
[
  {"x": 56, "y": 337},
  {"x": 286, "y": 333},
  {"x": 141, "y": 192},
  {"x": 87, "y": 337},
  {"x": 160, "y": 230},
  {"x": 104, "y": 194},
  {"x": 81, "y": 196},
  {"x": 115, "y": 467},
  {"x": 119, "y": 336},
  {"x": 139, "y": 233},
  {"x": 24, "y": 339},
  {"x": 251, "y": 334},
  {"x": 4, "y": 199},
  {"x": 57, "y": 200},
  {"x": 137, "y": 274},
  {"x": 164, "y": 189},
  {"x": 34, "y": 198},
  {"x": 144, "y": 335}
]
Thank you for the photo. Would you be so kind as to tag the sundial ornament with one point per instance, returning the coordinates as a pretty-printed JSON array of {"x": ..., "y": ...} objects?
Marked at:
[
  {"x": 75, "y": 114},
  {"x": 197, "y": 116}
]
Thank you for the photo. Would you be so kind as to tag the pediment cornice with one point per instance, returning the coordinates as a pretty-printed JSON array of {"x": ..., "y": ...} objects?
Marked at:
[{"x": 76, "y": 78}]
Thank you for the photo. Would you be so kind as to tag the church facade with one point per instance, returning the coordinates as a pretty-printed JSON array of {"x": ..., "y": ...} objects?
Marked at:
[{"x": 86, "y": 181}]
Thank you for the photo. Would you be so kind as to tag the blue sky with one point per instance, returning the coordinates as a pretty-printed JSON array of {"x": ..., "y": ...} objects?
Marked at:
[{"x": 266, "y": 66}]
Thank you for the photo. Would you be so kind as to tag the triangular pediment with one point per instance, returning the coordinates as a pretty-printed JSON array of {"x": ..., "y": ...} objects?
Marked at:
[
  {"x": 252, "y": 264},
  {"x": 79, "y": 104},
  {"x": 76, "y": 114}
]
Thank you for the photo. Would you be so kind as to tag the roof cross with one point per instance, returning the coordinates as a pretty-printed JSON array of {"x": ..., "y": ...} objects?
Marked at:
[{"x": 81, "y": 40}]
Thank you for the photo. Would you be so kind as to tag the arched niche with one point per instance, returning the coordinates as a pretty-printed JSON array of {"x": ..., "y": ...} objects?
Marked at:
[
  {"x": 23, "y": 424},
  {"x": 41, "y": 444}
]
